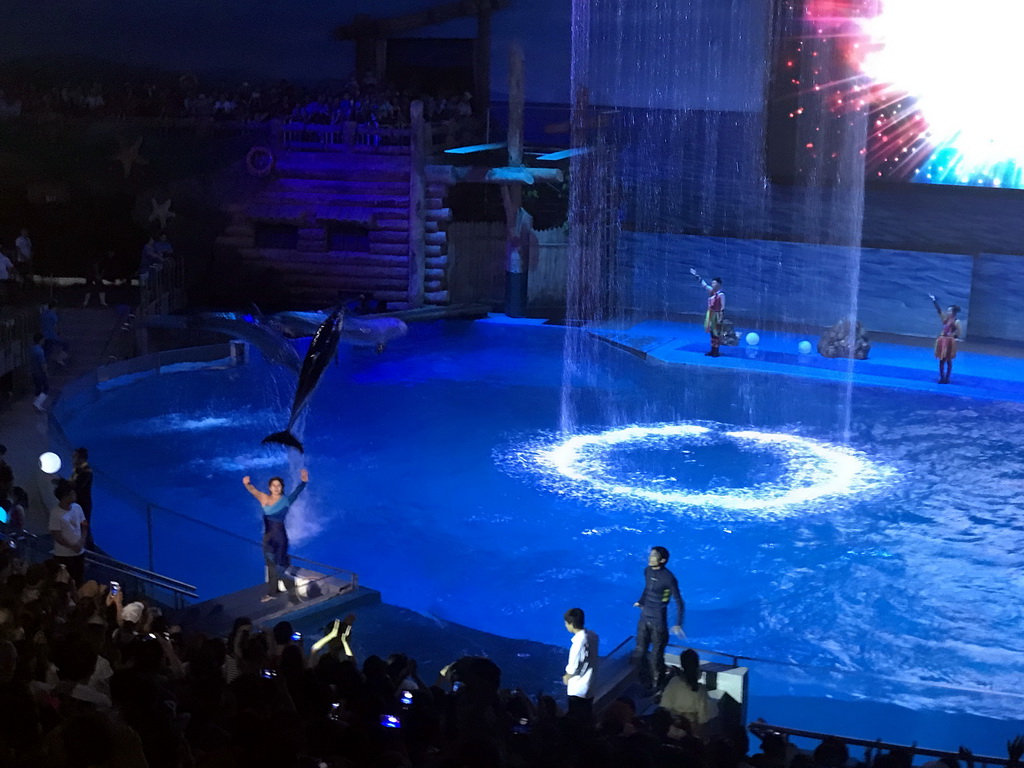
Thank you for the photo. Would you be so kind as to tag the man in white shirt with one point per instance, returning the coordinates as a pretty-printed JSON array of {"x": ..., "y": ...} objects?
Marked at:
[
  {"x": 68, "y": 529},
  {"x": 579, "y": 672}
]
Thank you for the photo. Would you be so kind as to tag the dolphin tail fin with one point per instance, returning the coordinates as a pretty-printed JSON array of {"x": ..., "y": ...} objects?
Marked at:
[{"x": 284, "y": 437}]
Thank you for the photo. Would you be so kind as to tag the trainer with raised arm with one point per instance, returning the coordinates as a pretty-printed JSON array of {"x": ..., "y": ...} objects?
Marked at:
[
  {"x": 945, "y": 344},
  {"x": 275, "y": 507},
  {"x": 660, "y": 586},
  {"x": 715, "y": 313}
]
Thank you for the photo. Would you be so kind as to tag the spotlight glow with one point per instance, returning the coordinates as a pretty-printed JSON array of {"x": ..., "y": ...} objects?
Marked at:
[
  {"x": 811, "y": 470},
  {"x": 964, "y": 94},
  {"x": 936, "y": 79}
]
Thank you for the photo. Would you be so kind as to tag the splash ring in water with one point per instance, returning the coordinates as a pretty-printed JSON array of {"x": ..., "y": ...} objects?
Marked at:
[{"x": 812, "y": 469}]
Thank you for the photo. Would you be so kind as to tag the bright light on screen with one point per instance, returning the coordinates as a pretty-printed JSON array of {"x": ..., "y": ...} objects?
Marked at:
[{"x": 942, "y": 82}]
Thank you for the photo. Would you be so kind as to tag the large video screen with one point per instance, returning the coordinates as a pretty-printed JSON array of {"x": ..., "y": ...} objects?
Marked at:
[{"x": 938, "y": 81}]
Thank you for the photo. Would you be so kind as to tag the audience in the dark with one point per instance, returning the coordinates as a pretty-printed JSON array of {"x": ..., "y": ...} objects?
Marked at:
[{"x": 360, "y": 99}]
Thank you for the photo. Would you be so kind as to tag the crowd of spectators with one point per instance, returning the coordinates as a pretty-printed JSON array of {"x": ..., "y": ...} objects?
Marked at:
[
  {"x": 360, "y": 99},
  {"x": 93, "y": 678}
]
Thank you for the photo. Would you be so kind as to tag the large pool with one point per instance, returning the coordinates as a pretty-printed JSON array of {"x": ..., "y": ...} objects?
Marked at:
[{"x": 439, "y": 475}]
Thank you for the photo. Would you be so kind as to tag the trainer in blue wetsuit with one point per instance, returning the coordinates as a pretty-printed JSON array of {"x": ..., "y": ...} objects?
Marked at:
[
  {"x": 275, "y": 535},
  {"x": 660, "y": 586}
]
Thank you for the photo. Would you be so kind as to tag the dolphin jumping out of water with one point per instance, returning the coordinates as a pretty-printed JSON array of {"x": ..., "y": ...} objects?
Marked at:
[{"x": 318, "y": 356}]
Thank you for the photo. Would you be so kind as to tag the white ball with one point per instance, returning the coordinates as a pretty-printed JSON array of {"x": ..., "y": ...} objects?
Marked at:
[
  {"x": 804, "y": 347},
  {"x": 49, "y": 463},
  {"x": 753, "y": 339}
]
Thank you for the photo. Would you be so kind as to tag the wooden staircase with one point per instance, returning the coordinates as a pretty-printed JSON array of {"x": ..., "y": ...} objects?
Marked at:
[{"x": 347, "y": 218}]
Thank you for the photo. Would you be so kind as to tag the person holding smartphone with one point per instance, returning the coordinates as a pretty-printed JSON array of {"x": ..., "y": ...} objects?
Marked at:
[{"x": 275, "y": 506}]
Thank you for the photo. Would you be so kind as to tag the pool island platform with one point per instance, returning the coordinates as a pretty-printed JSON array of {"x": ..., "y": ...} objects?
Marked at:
[{"x": 988, "y": 371}]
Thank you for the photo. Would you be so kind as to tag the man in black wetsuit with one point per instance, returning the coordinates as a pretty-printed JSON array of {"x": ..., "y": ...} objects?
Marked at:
[{"x": 660, "y": 586}]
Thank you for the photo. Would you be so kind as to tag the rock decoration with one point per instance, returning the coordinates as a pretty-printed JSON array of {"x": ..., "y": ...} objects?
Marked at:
[{"x": 838, "y": 341}]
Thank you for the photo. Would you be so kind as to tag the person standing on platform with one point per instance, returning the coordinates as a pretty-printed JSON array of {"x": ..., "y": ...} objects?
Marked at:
[
  {"x": 660, "y": 586},
  {"x": 275, "y": 535},
  {"x": 579, "y": 672},
  {"x": 945, "y": 344},
  {"x": 715, "y": 312},
  {"x": 69, "y": 530}
]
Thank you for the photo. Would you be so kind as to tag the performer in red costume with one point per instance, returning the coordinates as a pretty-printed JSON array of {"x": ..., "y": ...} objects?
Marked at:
[
  {"x": 945, "y": 344},
  {"x": 716, "y": 310}
]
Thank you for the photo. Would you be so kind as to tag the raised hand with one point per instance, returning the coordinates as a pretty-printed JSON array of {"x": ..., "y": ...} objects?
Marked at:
[
  {"x": 694, "y": 272},
  {"x": 304, "y": 475},
  {"x": 246, "y": 479}
]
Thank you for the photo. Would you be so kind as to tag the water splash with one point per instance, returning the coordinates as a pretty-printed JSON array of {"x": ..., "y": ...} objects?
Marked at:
[{"x": 811, "y": 471}]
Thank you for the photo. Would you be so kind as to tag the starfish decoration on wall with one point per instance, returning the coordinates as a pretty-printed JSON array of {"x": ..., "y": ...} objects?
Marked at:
[
  {"x": 129, "y": 156},
  {"x": 161, "y": 212}
]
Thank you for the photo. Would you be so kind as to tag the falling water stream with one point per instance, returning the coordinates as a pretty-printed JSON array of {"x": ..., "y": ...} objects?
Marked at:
[{"x": 671, "y": 105}]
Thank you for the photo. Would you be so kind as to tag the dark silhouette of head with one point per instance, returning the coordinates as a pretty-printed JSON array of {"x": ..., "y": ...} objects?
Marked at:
[{"x": 575, "y": 618}]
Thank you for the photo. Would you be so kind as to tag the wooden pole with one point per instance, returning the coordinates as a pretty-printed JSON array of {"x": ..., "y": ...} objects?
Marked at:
[
  {"x": 516, "y": 101},
  {"x": 518, "y": 223},
  {"x": 417, "y": 205},
  {"x": 482, "y": 61}
]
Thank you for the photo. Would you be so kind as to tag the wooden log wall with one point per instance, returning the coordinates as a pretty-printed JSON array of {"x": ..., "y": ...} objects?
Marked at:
[{"x": 365, "y": 197}]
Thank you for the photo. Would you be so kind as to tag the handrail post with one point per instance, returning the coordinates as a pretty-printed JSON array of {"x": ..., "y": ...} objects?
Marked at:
[{"x": 149, "y": 534}]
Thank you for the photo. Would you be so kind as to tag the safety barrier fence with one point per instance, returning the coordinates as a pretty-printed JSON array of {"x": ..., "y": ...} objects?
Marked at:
[
  {"x": 762, "y": 729},
  {"x": 16, "y": 332},
  {"x": 162, "y": 288}
]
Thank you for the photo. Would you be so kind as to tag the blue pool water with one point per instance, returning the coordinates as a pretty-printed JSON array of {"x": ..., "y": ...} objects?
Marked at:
[{"x": 432, "y": 477}]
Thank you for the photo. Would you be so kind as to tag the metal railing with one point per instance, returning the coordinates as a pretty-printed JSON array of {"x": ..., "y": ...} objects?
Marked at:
[
  {"x": 102, "y": 567},
  {"x": 162, "y": 288},
  {"x": 15, "y": 339},
  {"x": 761, "y": 729}
]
